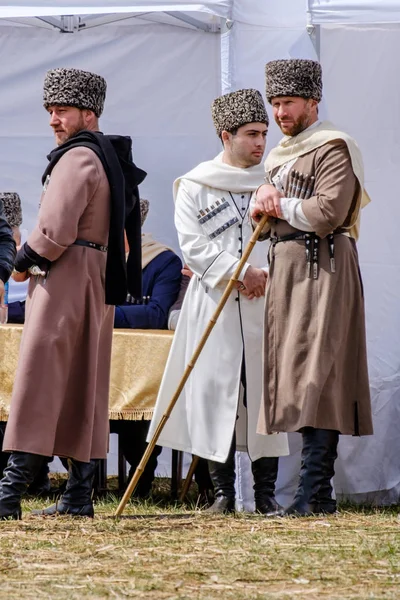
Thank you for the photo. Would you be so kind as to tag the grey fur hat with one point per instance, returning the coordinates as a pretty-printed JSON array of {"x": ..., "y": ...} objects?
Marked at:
[
  {"x": 73, "y": 87},
  {"x": 293, "y": 77},
  {"x": 231, "y": 111},
  {"x": 144, "y": 209},
  {"x": 12, "y": 208}
]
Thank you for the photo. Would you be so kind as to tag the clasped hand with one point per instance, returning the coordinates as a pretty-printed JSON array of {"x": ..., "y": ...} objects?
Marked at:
[
  {"x": 268, "y": 202},
  {"x": 254, "y": 283}
]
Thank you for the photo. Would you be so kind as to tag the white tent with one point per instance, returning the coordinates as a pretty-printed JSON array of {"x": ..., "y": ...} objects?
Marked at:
[{"x": 164, "y": 63}]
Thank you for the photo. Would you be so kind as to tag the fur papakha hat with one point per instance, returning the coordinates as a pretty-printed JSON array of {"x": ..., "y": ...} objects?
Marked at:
[
  {"x": 12, "y": 208},
  {"x": 293, "y": 77},
  {"x": 231, "y": 111},
  {"x": 73, "y": 87},
  {"x": 144, "y": 209}
]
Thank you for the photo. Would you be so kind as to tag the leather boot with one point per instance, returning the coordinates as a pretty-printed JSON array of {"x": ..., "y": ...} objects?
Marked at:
[
  {"x": 265, "y": 472},
  {"x": 223, "y": 479},
  {"x": 77, "y": 498},
  {"x": 18, "y": 475},
  {"x": 314, "y": 492},
  {"x": 326, "y": 504},
  {"x": 41, "y": 485}
]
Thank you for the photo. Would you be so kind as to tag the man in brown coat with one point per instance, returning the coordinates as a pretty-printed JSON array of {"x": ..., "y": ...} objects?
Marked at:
[
  {"x": 75, "y": 259},
  {"x": 315, "y": 364}
]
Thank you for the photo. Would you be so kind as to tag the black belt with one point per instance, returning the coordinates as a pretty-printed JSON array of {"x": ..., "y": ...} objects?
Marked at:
[
  {"x": 90, "y": 245},
  {"x": 312, "y": 241}
]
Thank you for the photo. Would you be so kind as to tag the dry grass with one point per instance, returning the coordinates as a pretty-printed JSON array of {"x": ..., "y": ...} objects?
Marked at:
[{"x": 175, "y": 553}]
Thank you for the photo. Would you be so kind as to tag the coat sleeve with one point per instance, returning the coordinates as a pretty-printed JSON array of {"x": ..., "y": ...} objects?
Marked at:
[
  {"x": 336, "y": 189},
  {"x": 203, "y": 256},
  {"x": 7, "y": 248},
  {"x": 163, "y": 292},
  {"x": 72, "y": 185}
]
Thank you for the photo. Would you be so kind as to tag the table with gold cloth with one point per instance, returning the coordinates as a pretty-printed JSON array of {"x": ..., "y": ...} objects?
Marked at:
[{"x": 137, "y": 364}]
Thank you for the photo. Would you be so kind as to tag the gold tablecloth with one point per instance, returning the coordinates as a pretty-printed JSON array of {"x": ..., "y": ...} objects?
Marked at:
[{"x": 137, "y": 364}]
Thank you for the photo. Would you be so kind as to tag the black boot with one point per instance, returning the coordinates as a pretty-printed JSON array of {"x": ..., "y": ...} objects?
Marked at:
[
  {"x": 77, "y": 498},
  {"x": 41, "y": 485},
  {"x": 314, "y": 492},
  {"x": 265, "y": 472},
  {"x": 223, "y": 479},
  {"x": 18, "y": 475},
  {"x": 326, "y": 504}
]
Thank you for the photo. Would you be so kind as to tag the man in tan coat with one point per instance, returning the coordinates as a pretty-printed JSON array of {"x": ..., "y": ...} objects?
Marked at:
[
  {"x": 75, "y": 260},
  {"x": 315, "y": 364}
]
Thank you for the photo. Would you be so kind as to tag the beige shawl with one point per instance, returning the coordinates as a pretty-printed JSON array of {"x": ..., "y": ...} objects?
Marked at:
[
  {"x": 151, "y": 249},
  {"x": 290, "y": 148}
]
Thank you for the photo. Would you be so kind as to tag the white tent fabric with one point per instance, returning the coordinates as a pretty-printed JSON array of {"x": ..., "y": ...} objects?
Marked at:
[
  {"x": 161, "y": 81},
  {"x": 36, "y": 8},
  {"x": 354, "y": 12}
]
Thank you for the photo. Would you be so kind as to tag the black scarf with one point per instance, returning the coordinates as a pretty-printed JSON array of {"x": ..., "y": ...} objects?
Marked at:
[{"x": 115, "y": 153}]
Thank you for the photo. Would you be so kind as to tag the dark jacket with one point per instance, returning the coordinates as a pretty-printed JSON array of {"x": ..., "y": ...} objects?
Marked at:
[
  {"x": 7, "y": 248},
  {"x": 161, "y": 280}
]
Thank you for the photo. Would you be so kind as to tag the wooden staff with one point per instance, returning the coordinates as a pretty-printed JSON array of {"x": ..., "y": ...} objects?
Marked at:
[{"x": 150, "y": 447}]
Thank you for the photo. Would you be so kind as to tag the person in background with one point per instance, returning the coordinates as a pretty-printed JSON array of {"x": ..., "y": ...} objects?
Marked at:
[
  {"x": 17, "y": 291},
  {"x": 7, "y": 257},
  {"x": 161, "y": 281},
  {"x": 7, "y": 252}
]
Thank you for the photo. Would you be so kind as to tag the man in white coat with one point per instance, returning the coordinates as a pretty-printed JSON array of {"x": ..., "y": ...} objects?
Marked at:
[{"x": 212, "y": 219}]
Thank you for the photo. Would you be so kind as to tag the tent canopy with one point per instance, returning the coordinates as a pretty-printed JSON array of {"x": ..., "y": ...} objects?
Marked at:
[
  {"x": 356, "y": 12},
  {"x": 268, "y": 12},
  {"x": 48, "y": 8}
]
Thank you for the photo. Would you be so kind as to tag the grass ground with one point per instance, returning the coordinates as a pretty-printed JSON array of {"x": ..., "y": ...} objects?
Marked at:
[{"x": 177, "y": 553}]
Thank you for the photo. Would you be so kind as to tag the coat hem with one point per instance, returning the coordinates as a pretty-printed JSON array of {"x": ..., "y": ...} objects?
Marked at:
[
  {"x": 84, "y": 459},
  {"x": 297, "y": 428}
]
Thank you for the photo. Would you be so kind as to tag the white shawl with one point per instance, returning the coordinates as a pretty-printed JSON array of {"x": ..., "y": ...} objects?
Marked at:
[{"x": 221, "y": 176}]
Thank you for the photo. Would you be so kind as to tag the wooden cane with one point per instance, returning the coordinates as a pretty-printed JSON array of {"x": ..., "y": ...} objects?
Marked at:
[
  {"x": 150, "y": 447},
  {"x": 189, "y": 477}
]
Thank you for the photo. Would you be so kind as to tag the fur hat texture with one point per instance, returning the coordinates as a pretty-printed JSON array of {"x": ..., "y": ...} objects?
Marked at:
[
  {"x": 73, "y": 87},
  {"x": 293, "y": 77},
  {"x": 12, "y": 208},
  {"x": 231, "y": 111}
]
